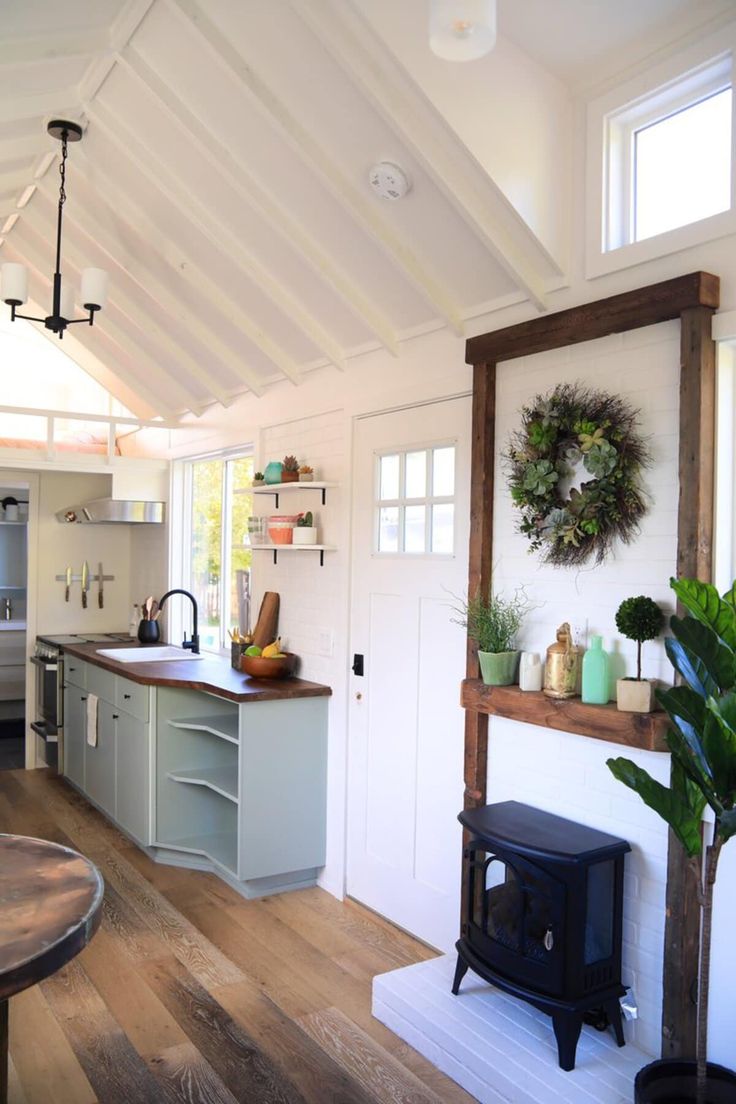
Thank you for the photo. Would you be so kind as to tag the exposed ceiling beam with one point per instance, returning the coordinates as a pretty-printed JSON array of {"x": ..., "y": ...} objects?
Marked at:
[
  {"x": 119, "y": 213},
  {"x": 61, "y": 45},
  {"x": 222, "y": 237},
  {"x": 82, "y": 416},
  {"x": 239, "y": 175},
  {"x": 124, "y": 26},
  {"x": 356, "y": 48},
  {"x": 107, "y": 327},
  {"x": 115, "y": 131},
  {"x": 103, "y": 369},
  {"x": 176, "y": 353},
  {"x": 360, "y": 206}
]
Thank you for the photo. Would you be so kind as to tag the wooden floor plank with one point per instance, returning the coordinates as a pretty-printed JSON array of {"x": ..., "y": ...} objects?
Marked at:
[
  {"x": 190, "y": 994},
  {"x": 115, "y": 1070}
]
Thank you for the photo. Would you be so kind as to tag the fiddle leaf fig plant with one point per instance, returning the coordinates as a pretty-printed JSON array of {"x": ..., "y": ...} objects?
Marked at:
[{"x": 702, "y": 739}]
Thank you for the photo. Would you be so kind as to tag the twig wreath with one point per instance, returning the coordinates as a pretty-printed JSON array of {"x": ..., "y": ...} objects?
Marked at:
[{"x": 568, "y": 433}]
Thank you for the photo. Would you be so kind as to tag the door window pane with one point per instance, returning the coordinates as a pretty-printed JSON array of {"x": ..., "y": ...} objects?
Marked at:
[
  {"x": 443, "y": 472},
  {"x": 206, "y": 570},
  {"x": 388, "y": 529},
  {"x": 414, "y": 525},
  {"x": 389, "y": 482},
  {"x": 241, "y": 477},
  {"x": 416, "y": 474},
  {"x": 443, "y": 528}
]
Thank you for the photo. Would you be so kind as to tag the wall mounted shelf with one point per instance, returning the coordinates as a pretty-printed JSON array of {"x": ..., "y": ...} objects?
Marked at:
[
  {"x": 276, "y": 548},
  {"x": 601, "y": 722},
  {"x": 277, "y": 489}
]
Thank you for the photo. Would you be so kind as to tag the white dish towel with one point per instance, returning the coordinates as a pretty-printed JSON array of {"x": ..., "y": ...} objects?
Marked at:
[{"x": 92, "y": 703}]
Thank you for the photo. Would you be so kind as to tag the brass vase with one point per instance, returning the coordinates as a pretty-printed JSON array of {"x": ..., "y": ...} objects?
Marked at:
[{"x": 562, "y": 669}]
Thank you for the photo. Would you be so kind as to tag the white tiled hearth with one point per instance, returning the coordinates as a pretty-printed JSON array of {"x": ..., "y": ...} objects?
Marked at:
[{"x": 501, "y": 1050}]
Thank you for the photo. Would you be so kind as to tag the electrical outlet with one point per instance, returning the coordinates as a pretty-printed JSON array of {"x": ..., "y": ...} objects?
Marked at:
[{"x": 326, "y": 643}]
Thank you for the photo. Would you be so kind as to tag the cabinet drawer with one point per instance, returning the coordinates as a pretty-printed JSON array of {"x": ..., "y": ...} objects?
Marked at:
[
  {"x": 75, "y": 672},
  {"x": 101, "y": 683},
  {"x": 132, "y": 697}
]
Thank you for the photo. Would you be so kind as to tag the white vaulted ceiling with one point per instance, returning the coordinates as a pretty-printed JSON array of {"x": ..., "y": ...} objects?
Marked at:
[{"x": 222, "y": 182}]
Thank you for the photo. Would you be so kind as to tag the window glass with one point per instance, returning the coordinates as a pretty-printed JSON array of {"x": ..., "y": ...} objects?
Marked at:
[
  {"x": 443, "y": 528},
  {"x": 414, "y": 523},
  {"x": 388, "y": 529},
  {"x": 220, "y": 560},
  {"x": 682, "y": 167},
  {"x": 416, "y": 474},
  {"x": 443, "y": 471},
  {"x": 389, "y": 477}
]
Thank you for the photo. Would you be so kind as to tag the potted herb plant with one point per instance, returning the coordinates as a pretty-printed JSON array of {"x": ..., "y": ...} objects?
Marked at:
[
  {"x": 637, "y": 619},
  {"x": 258, "y": 479},
  {"x": 702, "y": 739},
  {"x": 306, "y": 474},
  {"x": 305, "y": 531},
  {"x": 493, "y": 624},
  {"x": 290, "y": 470}
]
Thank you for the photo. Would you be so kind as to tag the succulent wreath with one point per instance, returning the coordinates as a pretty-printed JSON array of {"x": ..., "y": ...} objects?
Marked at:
[{"x": 568, "y": 434}]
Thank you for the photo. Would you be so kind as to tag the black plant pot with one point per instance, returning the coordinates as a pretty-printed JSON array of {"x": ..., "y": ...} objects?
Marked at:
[{"x": 672, "y": 1081}]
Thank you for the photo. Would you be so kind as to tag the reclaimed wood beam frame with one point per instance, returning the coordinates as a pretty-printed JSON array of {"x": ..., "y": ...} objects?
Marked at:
[{"x": 692, "y": 299}]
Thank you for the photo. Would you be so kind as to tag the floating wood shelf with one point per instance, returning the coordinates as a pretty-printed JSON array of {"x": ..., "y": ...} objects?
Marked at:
[
  {"x": 276, "y": 489},
  {"x": 602, "y": 722}
]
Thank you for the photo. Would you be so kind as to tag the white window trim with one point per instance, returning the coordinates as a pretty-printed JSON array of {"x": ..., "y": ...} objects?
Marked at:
[
  {"x": 684, "y": 78},
  {"x": 428, "y": 501}
]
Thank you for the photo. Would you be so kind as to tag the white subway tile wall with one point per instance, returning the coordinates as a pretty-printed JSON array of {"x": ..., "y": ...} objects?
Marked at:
[{"x": 565, "y": 773}]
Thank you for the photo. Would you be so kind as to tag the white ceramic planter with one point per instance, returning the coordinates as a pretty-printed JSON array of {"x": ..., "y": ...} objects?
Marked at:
[
  {"x": 305, "y": 534},
  {"x": 306, "y": 478},
  {"x": 635, "y": 697}
]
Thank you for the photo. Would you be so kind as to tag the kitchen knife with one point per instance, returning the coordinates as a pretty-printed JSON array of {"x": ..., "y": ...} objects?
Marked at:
[
  {"x": 101, "y": 588},
  {"x": 85, "y": 583},
  {"x": 67, "y": 592}
]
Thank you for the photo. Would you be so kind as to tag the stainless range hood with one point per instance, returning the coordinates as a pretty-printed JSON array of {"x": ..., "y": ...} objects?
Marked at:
[{"x": 113, "y": 511}]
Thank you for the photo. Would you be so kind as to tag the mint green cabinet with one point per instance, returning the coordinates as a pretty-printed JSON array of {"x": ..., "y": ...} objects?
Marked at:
[
  {"x": 133, "y": 776},
  {"x": 99, "y": 761},
  {"x": 75, "y": 733}
]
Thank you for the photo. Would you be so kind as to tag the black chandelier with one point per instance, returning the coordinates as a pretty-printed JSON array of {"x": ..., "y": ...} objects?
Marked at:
[{"x": 14, "y": 277}]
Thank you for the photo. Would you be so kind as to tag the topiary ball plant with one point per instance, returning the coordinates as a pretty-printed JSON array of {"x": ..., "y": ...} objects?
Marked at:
[{"x": 639, "y": 619}]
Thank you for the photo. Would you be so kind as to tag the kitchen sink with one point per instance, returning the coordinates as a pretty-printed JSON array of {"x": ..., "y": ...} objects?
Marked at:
[{"x": 166, "y": 653}]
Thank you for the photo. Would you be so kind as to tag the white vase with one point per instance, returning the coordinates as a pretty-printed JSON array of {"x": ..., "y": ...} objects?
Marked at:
[{"x": 530, "y": 671}]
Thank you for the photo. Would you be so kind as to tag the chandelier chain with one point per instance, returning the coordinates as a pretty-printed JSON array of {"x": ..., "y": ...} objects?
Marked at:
[{"x": 62, "y": 171}]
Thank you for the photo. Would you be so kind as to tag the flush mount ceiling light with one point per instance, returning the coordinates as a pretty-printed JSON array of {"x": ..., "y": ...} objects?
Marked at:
[
  {"x": 462, "y": 30},
  {"x": 14, "y": 277}
]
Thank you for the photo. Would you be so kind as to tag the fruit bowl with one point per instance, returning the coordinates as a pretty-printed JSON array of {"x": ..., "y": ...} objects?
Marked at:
[{"x": 264, "y": 667}]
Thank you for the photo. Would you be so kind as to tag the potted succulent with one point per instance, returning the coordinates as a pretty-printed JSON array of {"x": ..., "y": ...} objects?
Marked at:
[
  {"x": 702, "y": 739},
  {"x": 305, "y": 531},
  {"x": 637, "y": 619},
  {"x": 493, "y": 624},
  {"x": 290, "y": 470},
  {"x": 306, "y": 474},
  {"x": 258, "y": 479}
]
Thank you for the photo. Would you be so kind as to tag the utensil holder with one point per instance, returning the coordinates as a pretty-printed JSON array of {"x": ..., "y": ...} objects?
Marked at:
[
  {"x": 149, "y": 632},
  {"x": 236, "y": 650}
]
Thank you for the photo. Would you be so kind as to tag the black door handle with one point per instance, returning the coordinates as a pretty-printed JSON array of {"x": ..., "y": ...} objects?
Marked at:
[{"x": 358, "y": 665}]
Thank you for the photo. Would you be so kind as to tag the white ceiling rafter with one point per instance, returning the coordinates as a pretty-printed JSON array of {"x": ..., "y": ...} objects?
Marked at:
[
  {"x": 352, "y": 43},
  {"x": 39, "y": 105},
  {"x": 177, "y": 353},
  {"x": 118, "y": 133},
  {"x": 124, "y": 341},
  {"x": 360, "y": 206},
  {"x": 125, "y": 25},
  {"x": 119, "y": 204},
  {"x": 223, "y": 239},
  {"x": 239, "y": 175}
]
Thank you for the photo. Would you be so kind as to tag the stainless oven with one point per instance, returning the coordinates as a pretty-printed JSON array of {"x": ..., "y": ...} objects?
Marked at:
[{"x": 48, "y": 717}]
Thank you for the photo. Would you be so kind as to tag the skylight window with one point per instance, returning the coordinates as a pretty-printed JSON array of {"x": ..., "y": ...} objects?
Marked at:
[{"x": 682, "y": 167}]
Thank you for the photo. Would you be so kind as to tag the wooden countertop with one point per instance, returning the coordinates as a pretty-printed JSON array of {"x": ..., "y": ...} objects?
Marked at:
[{"x": 211, "y": 675}]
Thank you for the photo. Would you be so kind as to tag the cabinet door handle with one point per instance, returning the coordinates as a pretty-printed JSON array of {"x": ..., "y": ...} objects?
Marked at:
[
  {"x": 126, "y": 697},
  {"x": 116, "y": 716},
  {"x": 84, "y": 698},
  {"x": 72, "y": 668}
]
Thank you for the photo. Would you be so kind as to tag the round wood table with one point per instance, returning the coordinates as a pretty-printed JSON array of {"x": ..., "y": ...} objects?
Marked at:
[{"x": 50, "y": 907}]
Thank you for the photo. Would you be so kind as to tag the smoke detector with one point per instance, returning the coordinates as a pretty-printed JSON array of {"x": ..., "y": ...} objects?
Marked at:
[{"x": 388, "y": 180}]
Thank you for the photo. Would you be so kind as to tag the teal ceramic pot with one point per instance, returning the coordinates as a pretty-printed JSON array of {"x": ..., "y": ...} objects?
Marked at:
[
  {"x": 272, "y": 471},
  {"x": 498, "y": 668}
]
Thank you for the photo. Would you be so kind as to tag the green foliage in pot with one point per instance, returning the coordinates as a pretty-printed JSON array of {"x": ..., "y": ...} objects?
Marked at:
[
  {"x": 639, "y": 619},
  {"x": 702, "y": 739},
  {"x": 305, "y": 521},
  {"x": 494, "y": 622}
]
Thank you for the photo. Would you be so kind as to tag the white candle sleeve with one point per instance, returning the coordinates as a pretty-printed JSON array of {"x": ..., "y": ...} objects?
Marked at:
[
  {"x": 67, "y": 300},
  {"x": 94, "y": 287},
  {"x": 14, "y": 283}
]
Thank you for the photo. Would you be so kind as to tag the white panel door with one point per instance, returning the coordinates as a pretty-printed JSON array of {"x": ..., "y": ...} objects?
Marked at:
[{"x": 411, "y": 514}]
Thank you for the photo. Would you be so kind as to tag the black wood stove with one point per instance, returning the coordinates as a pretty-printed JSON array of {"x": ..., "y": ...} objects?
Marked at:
[{"x": 543, "y": 917}]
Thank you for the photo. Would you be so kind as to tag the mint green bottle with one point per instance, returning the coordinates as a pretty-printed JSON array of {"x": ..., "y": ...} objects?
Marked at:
[{"x": 595, "y": 673}]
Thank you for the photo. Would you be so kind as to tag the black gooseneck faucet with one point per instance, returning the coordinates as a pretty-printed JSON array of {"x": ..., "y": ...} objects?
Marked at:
[{"x": 193, "y": 644}]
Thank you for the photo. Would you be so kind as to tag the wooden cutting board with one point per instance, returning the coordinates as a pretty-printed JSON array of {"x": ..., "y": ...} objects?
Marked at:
[{"x": 267, "y": 625}]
